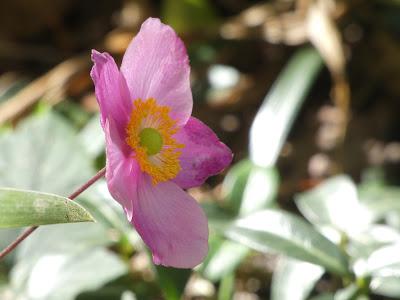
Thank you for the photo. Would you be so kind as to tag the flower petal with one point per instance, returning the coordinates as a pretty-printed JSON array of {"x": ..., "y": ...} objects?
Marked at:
[
  {"x": 111, "y": 91},
  {"x": 204, "y": 154},
  {"x": 122, "y": 171},
  {"x": 156, "y": 65},
  {"x": 171, "y": 223}
]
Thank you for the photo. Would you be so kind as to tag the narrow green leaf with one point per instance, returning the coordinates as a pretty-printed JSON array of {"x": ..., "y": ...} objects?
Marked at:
[
  {"x": 293, "y": 279},
  {"x": 287, "y": 234},
  {"x": 226, "y": 287},
  {"x": 223, "y": 258},
  {"x": 234, "y": 184},
  {"x": 172, "y": 281},
  {"x": 280, "y": 107},
  {"x": 248, "y": 187},
  {"x": 21, "y": 208}
]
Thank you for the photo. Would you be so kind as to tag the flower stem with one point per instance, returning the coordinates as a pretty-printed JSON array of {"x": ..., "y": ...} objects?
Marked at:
[{"x": 31, "y": 229}]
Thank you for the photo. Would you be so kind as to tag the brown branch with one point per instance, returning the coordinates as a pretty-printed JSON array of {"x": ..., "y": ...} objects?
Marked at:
[{"x": 51, "y": 82}]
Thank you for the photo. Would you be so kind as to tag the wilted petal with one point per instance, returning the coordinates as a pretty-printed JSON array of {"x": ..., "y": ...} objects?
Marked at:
[
  {"x": 122, "y": 171},
  {"x": 203, "y": 155},
  {"x": 111, "y": 91},
  {"x": 156, "y": 65},
  {"x": 171, "y": 223}
]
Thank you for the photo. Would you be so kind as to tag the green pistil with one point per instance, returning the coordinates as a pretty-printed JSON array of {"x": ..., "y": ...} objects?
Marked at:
[{"x": 152, "y": 140}]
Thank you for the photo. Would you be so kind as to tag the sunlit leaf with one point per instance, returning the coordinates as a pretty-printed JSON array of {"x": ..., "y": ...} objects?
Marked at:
[
  {"x": 375, "y": 237},
  {"x": 43, "y": 154},
  {"x": 384, "y": 261},
  {"x": 287, "y": 234},
  {"x": 294, "y": 280},
  {"x": 280, "y": 107},
  {"x": 334, "y": 202},
  {"x": 61, "y": 244},
  {"x": 386, "y": 286},
  {"x": 62, "y": 276}
]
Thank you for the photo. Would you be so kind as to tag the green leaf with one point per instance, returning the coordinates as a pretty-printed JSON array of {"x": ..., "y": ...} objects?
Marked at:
[
  {"x": 324, "y": 296},
  {"x": 43, "y": 154},
  {"x": 287, "y": 234},
  {"x": 189, "y": 15},
  {"x": 234, "y": 184},
  {"x": 280, "y": 107},
  {"x": 294, "y": 280},
  {"x": 172, "y": 281},
  {"x": 21, "y": 208},
  {"x": 335, "y": 203},
  {"x": 248, "y": 187}
]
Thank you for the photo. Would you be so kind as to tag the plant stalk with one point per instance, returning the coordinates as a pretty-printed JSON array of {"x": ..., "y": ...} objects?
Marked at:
[{"x": 31, "y": 229}]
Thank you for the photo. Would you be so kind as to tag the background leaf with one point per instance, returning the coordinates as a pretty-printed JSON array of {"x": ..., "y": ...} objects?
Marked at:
[
  {"x": 294, "y": 280},
  {"x": 287, "y": 234},
  {"x": 281, "y": 105},
  {"x": 386, "y": 286},
  {"x": 334, "y": 202},
  {"x": 50, "y": 157}
]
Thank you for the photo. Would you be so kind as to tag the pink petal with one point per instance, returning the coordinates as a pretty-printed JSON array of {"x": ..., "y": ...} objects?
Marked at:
[
  {"x": 204, "y": 154},
  {"x": 122, "y": 171},
  {"x": 111, "y": 90},
  {"x": 156, "y": 65},
  {"x": 171, "y": 223}
]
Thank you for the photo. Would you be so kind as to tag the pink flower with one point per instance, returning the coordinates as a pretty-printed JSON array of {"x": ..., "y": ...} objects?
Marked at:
[{"x": 154, "y": 148}]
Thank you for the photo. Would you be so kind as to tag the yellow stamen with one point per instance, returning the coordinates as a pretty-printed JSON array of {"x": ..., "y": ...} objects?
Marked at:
[{"x": 157, "y": 157}]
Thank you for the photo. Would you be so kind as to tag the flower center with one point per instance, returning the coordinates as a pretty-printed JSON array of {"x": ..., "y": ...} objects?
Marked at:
[
  {"x": 150, "y": 134},
  {"x": 151, "y": 139}
]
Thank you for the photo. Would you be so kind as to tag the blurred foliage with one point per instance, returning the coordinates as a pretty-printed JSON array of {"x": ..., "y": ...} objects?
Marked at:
[{"x": 310, "y": 208}]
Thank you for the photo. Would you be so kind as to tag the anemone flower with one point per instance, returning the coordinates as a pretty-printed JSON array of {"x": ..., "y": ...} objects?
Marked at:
[{"x": 154, "y": 148}]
